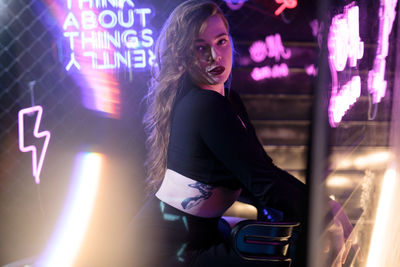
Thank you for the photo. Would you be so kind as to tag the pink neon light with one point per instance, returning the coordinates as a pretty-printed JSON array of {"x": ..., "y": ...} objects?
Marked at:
[
  {"x": 276, "y": 71},
  {"x": 36, "y": 165},
  {"x": 344, "y": 46},
  {"x": 344, "y": 100},
  {"x": 344, "y": 40},
  {"x": 285, "y": 4},
  {"x": 376, "y": 81},
  {"x": 311, "y": 70},
  {"x": 271, "y": 48},
  {"x": 315, "y": 26},
  {"x": 258, "y": 51}
]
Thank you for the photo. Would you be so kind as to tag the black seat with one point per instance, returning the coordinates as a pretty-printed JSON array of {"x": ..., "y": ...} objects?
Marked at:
[{"x": 263, "y": 241}]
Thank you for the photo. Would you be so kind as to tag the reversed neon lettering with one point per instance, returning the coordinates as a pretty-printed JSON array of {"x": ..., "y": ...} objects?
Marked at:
[{"x": 345, "y": 48}]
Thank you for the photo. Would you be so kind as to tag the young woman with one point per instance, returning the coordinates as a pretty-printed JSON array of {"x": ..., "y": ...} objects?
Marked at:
[{"x": 203, "y": 150}]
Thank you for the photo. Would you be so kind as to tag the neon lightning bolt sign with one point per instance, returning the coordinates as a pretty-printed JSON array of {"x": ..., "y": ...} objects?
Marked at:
[{"x": 36, "y": 165}]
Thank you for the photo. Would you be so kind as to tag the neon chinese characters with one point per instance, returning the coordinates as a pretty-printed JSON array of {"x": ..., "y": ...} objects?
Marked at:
[
  {"x": 272, "y": 48},
  {"x": 345, "y": 48},
  {"x": 376, "y": 82}
]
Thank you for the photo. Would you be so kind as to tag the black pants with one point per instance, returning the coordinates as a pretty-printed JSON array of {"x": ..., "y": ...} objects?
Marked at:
[{"x": 161, "y": 235}]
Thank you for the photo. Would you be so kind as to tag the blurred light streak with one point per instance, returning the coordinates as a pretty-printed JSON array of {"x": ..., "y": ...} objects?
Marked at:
[
  {"x": 338, "y": 181},
  {"x": 69, "y": 234},
  {"x": 372, "y": 159},
  {"x": 345, "y": 163},
  {"x": 382, "y": 250},
  {"x": 364, "y": 160},
  {"x": 100, "y": 90}
]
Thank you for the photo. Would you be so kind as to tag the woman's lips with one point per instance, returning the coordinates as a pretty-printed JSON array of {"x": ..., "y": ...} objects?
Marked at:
[{"x": 217, "y": 70}]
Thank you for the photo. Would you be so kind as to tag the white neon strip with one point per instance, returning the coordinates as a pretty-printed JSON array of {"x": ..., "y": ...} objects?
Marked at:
[
  {"x": 72, "y": 226},
  {"x": 380, "y": 233}
]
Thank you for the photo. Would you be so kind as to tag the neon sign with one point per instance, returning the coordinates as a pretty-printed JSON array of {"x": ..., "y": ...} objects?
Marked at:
[
  {"x": 265, "y": 72},
  {"x": 272, "y": 48},
  {"x": 36, "y": 164},
  {"x": 235, "y": 4},
  {"x": 110, "y": 34},
  {"x": 345, "y": 46},
  {"x": 285, "y": 4},
  {"x": 311, "y": 70},
  {"x": 376, "y": 81}
]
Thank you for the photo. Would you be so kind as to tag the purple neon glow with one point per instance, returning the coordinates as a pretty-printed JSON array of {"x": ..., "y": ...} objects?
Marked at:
[
  {"x": 36, "y": 165},
  {"x": 345, "y": 48},
  {"x": 285, "y": 4},
  {"x": 376, "y": 77},
  {"x": 311, "y": 70},
  {"x": 344, "y": 100},
  {"x": 344, "y": 41},
  {"x": 276, "y": 71},
  {"x": 271, "y": 48}
]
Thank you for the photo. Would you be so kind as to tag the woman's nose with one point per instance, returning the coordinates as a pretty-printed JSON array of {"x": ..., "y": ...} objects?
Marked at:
[{"x": 214, "y": 55}]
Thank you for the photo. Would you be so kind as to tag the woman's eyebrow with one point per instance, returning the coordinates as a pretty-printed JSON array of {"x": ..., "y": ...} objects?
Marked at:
[{"x": 198, "y": 40}]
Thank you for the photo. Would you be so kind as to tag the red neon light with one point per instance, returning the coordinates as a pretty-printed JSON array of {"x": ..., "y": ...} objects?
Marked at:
[
  {"x": 285, "y": 4},
  {"x": 36, "y": 165}
]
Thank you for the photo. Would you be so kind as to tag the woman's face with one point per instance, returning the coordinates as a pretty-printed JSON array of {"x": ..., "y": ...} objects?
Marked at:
[{"x": 213, "y": 55}]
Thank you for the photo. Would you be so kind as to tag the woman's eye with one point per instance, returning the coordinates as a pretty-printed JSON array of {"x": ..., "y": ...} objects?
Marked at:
[
  {"x": 200, "y": 48},
  {"x": 222, "y": 41}
]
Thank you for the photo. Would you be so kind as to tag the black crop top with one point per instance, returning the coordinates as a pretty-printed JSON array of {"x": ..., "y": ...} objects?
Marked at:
[{"x": 212, "y": 141}]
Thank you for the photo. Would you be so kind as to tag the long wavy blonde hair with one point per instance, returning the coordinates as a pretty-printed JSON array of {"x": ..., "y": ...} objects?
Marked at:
[{"x": 174, "y": 51}]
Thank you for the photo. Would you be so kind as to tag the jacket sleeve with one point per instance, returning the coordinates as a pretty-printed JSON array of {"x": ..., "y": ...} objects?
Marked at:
[{"x": 238, "y": 149}]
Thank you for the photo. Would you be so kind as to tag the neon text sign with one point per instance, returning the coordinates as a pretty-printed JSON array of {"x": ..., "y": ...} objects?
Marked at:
[
  {"x": 36, "y": 164},
  {"x": 265, "y": 72},
  {"x": 109, "y": 34},
  {"x": 376, "y": 82},
  {"x": 345, "y": 48},
  {"x": 271, "y": 48}
]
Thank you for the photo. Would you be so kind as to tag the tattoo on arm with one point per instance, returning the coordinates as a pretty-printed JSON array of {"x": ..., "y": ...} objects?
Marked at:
[{"x": 205, "y": 193}]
